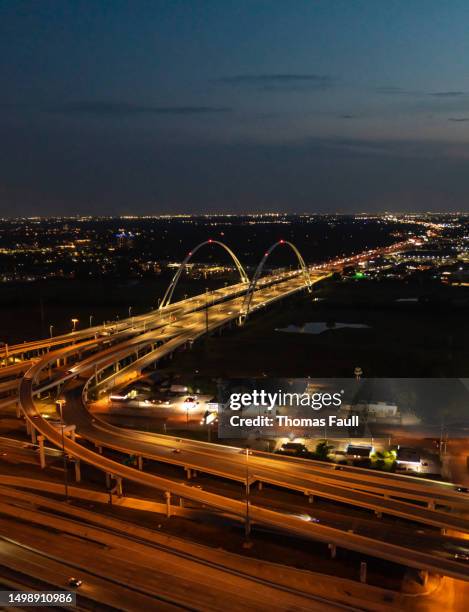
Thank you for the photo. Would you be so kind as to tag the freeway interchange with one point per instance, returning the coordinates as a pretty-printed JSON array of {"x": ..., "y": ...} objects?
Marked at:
[{"x": 99, "y": 357}]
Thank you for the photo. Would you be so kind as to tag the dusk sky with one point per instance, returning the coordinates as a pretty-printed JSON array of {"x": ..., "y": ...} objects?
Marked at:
[{"x": 148, "y": 107}]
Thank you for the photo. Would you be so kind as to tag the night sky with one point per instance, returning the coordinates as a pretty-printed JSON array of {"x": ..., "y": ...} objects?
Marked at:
[{"x": 136, "y": 107}]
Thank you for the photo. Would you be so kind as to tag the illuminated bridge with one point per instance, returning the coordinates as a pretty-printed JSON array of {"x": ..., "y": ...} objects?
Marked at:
[{"x": 88, "y": 363}]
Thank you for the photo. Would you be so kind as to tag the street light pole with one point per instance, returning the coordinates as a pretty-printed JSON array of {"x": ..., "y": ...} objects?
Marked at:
[
  {"x": 60, "y": 404},
  {"x": 206, "y": 310},
  {"x": 51, "y": 330},
  {"x": 91, "y": 320},
  {"x": 247, "y": 524}
]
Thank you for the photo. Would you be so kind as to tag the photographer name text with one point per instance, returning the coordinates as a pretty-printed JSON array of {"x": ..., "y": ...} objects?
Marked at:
[{"x": 286, "y": 421}]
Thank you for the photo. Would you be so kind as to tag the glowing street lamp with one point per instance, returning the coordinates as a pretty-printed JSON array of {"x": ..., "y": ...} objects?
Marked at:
[
  {"x": 6, "y": 351},
  {"x": 74, "y": 324}
]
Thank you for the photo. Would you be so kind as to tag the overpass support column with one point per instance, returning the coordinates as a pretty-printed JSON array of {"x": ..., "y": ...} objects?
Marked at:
[
  {"x": 181, "y": 502},
  {"x": 188, "y": 473},
  {"x": 363, "y": 571},
  {"x": 333, "y": 549},
  {"x": 33, "y": 435},
  {"x": 247, "y": 532},
  {"x": 140, "y": 463},
  {"x": 119, "y": 487},
  {"x": 423, "y": 575},
  {"x": 167, "y": 495},
  {"x": 28, "y": 427},
  {"x": 18, "y": 410},
  {"x": 378, "y": 514},
  {"x": 77, "y": 470},
  {"x": 259, "y": 486},
  {"x": 42, "y": 455},
  {"x": 431, "y": 504},
  {"x": 108, "y": 481}
]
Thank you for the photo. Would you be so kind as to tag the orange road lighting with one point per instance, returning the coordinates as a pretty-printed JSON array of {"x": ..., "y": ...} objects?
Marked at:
[{"x": 211, "y": 417}]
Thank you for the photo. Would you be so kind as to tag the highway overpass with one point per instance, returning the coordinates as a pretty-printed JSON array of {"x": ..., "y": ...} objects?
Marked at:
[{"x": 149, "y": 338}]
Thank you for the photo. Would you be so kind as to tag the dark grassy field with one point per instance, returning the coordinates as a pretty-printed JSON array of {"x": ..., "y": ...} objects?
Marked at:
[
  {"x": 408, "y": 339},
  {"x": 423, "y": 339}
]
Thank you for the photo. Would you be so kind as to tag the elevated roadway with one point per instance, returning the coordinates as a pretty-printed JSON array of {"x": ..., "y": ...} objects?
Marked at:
[
  {"x": 186, "y": 322},
  {"x": 38, "y": 347},
  {"x": 293, "y": 525},
  {"x": 204, "y": 576}
]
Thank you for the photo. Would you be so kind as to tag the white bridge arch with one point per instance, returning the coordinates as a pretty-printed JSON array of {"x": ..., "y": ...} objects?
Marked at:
[
  {"x": 252, "y": 285},
  {"x": 170, "y": 290}
]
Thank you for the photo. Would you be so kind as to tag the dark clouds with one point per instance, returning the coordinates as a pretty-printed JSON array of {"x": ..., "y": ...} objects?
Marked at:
[
  {"x": 279, "y": 81},
  {"x": 121, "y": 109},
  {"x": 448, "y": 94},
  {"x": 399, "y": 91}
]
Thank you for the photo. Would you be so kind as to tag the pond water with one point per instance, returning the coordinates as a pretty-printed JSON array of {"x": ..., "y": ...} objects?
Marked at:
[{"x": 318, "y": 327}]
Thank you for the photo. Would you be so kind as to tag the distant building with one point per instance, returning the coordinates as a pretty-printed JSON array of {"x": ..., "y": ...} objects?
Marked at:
[
  {"x": 414, "y": 460},
  {"x": 375, "y": 411},
  {"x": 458, "y": 277},
  {"x": 125, "y": 240},
  {"x": 358, "y": 452}
]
